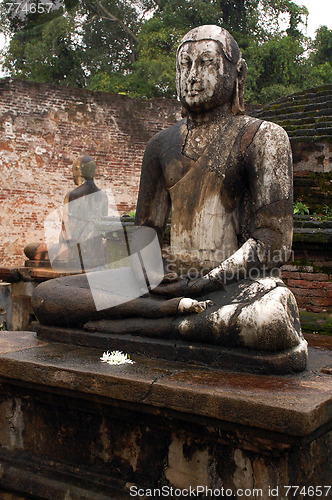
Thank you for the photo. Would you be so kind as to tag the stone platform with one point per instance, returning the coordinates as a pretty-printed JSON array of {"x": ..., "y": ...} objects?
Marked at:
[
  {"x": 96, "y": 334},
  {"x": 74, "y": 428}
]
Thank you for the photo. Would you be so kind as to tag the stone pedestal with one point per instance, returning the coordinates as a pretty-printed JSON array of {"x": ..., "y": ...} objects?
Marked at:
[
  {"x": 15, "y": 304},
  {"x": 73, "y": 427}
]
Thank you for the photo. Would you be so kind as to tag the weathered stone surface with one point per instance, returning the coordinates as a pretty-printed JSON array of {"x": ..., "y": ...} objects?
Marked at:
[
  {"x": 73, "y": 425},
  {"x": 148, "y": 381}
]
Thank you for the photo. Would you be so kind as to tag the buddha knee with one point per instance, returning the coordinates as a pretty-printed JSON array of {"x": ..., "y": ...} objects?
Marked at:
[{"x": 272, "y": 322}]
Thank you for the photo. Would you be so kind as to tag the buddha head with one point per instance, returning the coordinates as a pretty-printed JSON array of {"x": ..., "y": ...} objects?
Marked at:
[
  {"x": 83, "y": 169},
  {"x": 210, "y": 70}
]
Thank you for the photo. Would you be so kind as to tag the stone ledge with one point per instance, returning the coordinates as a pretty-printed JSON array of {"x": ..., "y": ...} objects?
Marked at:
[
  {"x": 294, "y": 405},
  {"x": 46, "y": 479}
]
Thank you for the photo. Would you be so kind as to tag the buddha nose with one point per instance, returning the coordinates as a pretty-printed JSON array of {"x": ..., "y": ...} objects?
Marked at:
[{"x": 193, "y": 75}]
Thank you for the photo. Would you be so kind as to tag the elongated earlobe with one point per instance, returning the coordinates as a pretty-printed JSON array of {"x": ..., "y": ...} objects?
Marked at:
[{"x": 238, "y": 100}]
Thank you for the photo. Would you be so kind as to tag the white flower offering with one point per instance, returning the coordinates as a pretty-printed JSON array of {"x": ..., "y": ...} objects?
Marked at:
[{"x": 116, "y": 358}]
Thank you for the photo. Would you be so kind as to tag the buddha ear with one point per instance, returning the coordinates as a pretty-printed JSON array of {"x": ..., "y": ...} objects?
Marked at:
[{"x": 238, "y": 100}]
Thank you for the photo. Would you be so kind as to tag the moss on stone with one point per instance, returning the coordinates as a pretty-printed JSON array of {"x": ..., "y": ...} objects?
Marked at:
[
  {"x": 320, "y": 159},
  {"x": 303, "y": 264},
  {"x": 312, "y": 237},
  {"x": 322, "y": 180},
  {"x": 316, "y": 322}
]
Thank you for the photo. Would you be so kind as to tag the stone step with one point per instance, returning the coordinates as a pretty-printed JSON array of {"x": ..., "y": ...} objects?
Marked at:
[
  {"x": 301, "y": 99},
  {"x": 305, "y": 121},
  {"x": 292, "y": 109},
  {"x": 298, "y": 116},
  {"x": 307, "y": 94},
  {"x": 312, "y": 235},
  {"x": 310, "y": 132},
  {"x": 318, "y": 102},
  {"x": 305, "y": 222},
  {"x": 309, "y": 126},
  {"x": 69, "y": 422},
  {"x": 311, "y": 138}
]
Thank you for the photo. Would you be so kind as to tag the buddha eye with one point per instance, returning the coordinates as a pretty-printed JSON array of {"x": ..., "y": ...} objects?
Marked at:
[
  {"x": 207, "y": 61},
  {"x": 185, "y": 63}
]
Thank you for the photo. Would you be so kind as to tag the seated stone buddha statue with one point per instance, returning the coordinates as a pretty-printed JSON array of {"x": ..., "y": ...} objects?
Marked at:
[
  {"x": 226, "y": 179},
  {"x": 79, "y": 242}
]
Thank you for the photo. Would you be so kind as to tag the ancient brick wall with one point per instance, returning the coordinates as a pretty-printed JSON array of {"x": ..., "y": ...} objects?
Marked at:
[
  {"x": 43, "y": 128},
  {"x": 312, "y": 289}
]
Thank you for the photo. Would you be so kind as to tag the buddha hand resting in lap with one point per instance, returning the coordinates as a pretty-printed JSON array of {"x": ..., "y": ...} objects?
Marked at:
[{"x": 227, "y": 180}]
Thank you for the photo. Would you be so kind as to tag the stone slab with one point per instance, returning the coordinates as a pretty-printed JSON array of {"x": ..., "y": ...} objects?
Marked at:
[
  {"x": 98, "y": 336},
  {"x": 294, "y": 405},
  {"x": 32, "y": 273}
]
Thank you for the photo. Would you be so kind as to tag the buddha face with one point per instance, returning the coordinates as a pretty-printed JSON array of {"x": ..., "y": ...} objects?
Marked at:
[
  {"x": 207, "y": 78},
  {"x": 77, "y": 174}
]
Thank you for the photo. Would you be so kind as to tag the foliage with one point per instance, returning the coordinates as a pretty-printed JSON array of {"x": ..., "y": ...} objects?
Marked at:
[
  {"x": 300, "y": 208},
  {"x": 154, "y": 72},
  {"x": 327, "y": 211},
  {"x": 322, "y": 46},
  {"x": 131, "y": 214},
  {"x": 43, "y": 48},
  {"x": 45, "y": 54},
  {"x": 318, "y": 66},
  {"x": 326, "y": 215},
  {"x": 130, "y": 47},
  {"x": 276, "y": 68},
  {"x": 276, "y": 91}
]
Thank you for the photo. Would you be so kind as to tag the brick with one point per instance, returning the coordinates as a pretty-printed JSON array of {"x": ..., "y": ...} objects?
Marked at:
[
  {"x": 321, "y": 301},
  {"x": 315, "y": 309},
  {"x": 323, "y": 285},
  {"x": 289, "y": 268},
  {"x": 306, "y": 292},
  {"x": 314, "y": 276},
  {"x": 303, "y": 302},
  {"x": 290, "y": 274}
]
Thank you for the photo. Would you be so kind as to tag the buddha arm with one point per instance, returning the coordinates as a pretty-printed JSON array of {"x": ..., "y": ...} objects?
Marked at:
[
  {"x": 65, "y": 235},
  {"x": 154, "y": 203},
  {"x": 268, "y": 172}
]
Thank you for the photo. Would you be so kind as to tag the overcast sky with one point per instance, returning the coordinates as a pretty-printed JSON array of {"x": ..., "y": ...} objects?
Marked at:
[{"x": 320, "y": 13}]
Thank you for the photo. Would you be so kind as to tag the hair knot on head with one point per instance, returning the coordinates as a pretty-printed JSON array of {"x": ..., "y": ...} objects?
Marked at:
[{"x": 88, "y": 167}]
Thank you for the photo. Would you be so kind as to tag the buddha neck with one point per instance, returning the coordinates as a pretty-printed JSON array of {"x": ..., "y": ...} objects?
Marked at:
[{"x": 219, "y": 114}]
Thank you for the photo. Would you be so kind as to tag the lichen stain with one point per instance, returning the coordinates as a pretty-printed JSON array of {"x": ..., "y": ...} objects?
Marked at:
[
  {"x": 185, "y": 470},
  {"x": 131, "y": 452},
  {"x": 243, "y": 475}
]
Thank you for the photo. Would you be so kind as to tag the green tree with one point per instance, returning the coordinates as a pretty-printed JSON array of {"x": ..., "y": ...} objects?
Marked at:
[
  {"x": 130, "y": 47},
  {"x": 322, "y": 46},
  {"x": 319, "y": 63},
  {"x": 276, "y": 68},
  {"x": 153, "y": 74},
  {"x": 42, "y": 46},
  {"x": 85, "y": 36}
]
